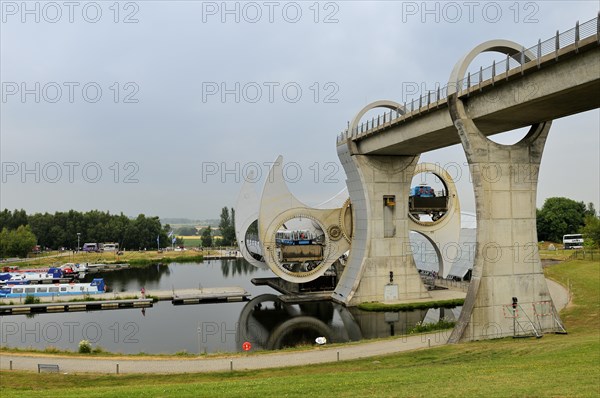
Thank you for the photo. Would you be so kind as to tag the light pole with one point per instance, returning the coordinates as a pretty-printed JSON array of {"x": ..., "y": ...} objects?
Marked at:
[{"x": 78, "y": 235}]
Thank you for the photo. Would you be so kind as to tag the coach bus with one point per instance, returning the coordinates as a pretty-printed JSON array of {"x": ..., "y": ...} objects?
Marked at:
[{"x": 573, "y": 241}]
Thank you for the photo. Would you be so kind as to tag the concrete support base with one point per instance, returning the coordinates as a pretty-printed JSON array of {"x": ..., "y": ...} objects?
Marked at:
[
  {"x": 380, "y": 265},
  {"x": 507, "y": 262}
]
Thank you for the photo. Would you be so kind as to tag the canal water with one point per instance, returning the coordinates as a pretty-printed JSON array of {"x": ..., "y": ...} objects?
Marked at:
[{"x": 264, "y": 321}]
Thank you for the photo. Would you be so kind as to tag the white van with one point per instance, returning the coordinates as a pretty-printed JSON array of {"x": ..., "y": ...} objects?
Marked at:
[{"x": 111, "y": 247}]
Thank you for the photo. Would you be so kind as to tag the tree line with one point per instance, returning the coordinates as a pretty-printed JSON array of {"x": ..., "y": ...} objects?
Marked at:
[
  {"x": 60, "y": 230},
  {"x": 20, "y": 232}
]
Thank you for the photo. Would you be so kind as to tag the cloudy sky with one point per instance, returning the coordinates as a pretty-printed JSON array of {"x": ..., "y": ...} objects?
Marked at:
[{"x": 163, "y": 107}]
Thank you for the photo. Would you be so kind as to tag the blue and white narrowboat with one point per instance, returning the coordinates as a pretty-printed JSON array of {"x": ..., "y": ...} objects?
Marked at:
[
  {"x": 53, "y": 274},
  {"x": 97, "y": 286}
]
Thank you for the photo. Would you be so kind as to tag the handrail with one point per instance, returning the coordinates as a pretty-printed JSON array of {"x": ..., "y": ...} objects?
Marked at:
[{"x": 424, "y": 102}]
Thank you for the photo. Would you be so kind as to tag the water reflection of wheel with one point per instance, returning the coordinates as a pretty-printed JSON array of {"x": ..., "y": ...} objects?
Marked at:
[
  {"x": 266, "y": 307},
  {"x": 301, "y": 330}
]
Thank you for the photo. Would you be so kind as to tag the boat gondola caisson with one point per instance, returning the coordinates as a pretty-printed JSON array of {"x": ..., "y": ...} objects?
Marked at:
[{"x": 96, "y": 286}]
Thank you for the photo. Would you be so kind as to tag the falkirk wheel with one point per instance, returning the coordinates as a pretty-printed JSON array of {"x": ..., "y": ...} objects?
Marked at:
[
  {"x": 299, "y": 243},
  {"x": 362, "y": 235}
]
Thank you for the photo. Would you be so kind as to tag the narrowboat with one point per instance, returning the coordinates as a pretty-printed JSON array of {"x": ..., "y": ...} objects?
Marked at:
[{"x": 97, "y": 286}]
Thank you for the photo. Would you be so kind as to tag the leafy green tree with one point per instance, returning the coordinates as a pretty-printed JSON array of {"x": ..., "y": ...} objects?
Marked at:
[
  {"x": 5, "y": 242},
  {"x": 558, "y": 217},
  {"x": 224, "y": 226},
  {"x": 591, "y": 231},
  {"x": 24, "y": 241},
  {"x": 231, "y": 231},
  {"x": 207, "y": 237},
  {"x": 17, "y": 242},
  {"x": 227, "y": 227}
]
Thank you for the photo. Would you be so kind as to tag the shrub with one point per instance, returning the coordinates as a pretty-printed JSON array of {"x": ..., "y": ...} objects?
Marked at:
[
  {"x": 85, "y": 347},
  {"x": 29, "y": 299},
  {"x": 443, "y": 323}
]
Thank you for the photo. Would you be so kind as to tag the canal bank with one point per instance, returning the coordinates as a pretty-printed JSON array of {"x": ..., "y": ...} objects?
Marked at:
[
  {"x": 66, "y": 364},
  {"x": 266, "y": 321}
]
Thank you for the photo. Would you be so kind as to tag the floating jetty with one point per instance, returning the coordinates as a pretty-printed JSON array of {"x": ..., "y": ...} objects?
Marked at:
[
  {"x": 209, "y": 295},
  {"x": 74, "y": 306},
  {"x": 292, "y": 293},
  {"x": 101, "y": 267},
  {"x": 111, "y": 301}
]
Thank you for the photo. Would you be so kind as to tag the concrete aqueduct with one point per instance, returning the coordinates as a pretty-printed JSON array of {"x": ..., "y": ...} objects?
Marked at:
[{"x": 368, "y": 225}]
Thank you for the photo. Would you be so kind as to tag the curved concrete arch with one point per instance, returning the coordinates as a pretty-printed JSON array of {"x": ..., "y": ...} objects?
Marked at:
[
  {"x": 507, "y": 47},
  {"x": 246, "y": 208},
  {"x": 278, "y": 206},
  {"x": 453, "y": 202},
  {"x": 435, "y": 246},
  {"x": 457, "y": 110},
  {"x": 445, "y": 231},
  {"x": 389, "y": 104},
  {"x": 535, "y": 133}
]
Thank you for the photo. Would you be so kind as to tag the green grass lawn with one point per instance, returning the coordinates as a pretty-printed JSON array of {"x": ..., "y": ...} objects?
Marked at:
[
  {"x": 132, "y": 257},
  {"x": 553, "y": 366},
  {"x": 191, "y": 242}
]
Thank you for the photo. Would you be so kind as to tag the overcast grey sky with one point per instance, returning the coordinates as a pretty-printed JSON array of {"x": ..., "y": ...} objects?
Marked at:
[{"x": 162, "y": 107}]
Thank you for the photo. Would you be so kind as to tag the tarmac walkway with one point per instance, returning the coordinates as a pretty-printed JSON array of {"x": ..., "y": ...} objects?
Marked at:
[{"x": 220, "y": 364}]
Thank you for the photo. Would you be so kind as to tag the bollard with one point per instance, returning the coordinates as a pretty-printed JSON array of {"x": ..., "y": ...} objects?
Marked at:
[
  {"x": 117, "y": 368},
  {"x": 428, "y": 342},
  {"x": 10, "y": 365},
  {"x": 231, "y": 365},
  {"x": 338, "y": 356}
]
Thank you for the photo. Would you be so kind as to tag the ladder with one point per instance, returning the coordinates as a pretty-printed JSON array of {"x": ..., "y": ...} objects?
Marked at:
[
  {"x": 523, "y": 326},
  {"x": 545, "y": 308}
]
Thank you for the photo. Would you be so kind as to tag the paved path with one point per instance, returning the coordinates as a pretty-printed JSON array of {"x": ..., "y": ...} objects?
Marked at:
[
  {"x": 560, "y": 295},
  {"x": 67, "y": 364},
  {"x": 239, "y": 362}
]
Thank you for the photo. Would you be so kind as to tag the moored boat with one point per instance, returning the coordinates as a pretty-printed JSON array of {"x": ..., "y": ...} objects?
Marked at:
[
  {"x": 6, "y": 278},
  {"x": 97, "y": 286},
  {"x": 54, "y": 275}
]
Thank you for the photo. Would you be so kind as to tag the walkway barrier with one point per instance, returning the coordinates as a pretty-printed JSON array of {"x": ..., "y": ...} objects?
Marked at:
[
  {"x": 585, "y": 255},
  {"x": 452, "y": 284},
  {"x": 496, "y": 71}
]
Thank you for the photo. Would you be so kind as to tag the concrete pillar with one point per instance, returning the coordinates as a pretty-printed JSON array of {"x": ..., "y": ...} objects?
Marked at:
[
  {"x": 507, "y": 262},
  {"x": 379, "y": 188}
]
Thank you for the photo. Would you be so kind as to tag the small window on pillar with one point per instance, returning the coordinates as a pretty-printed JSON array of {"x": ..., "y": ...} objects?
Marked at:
[{"x": 389, "y": 210}]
